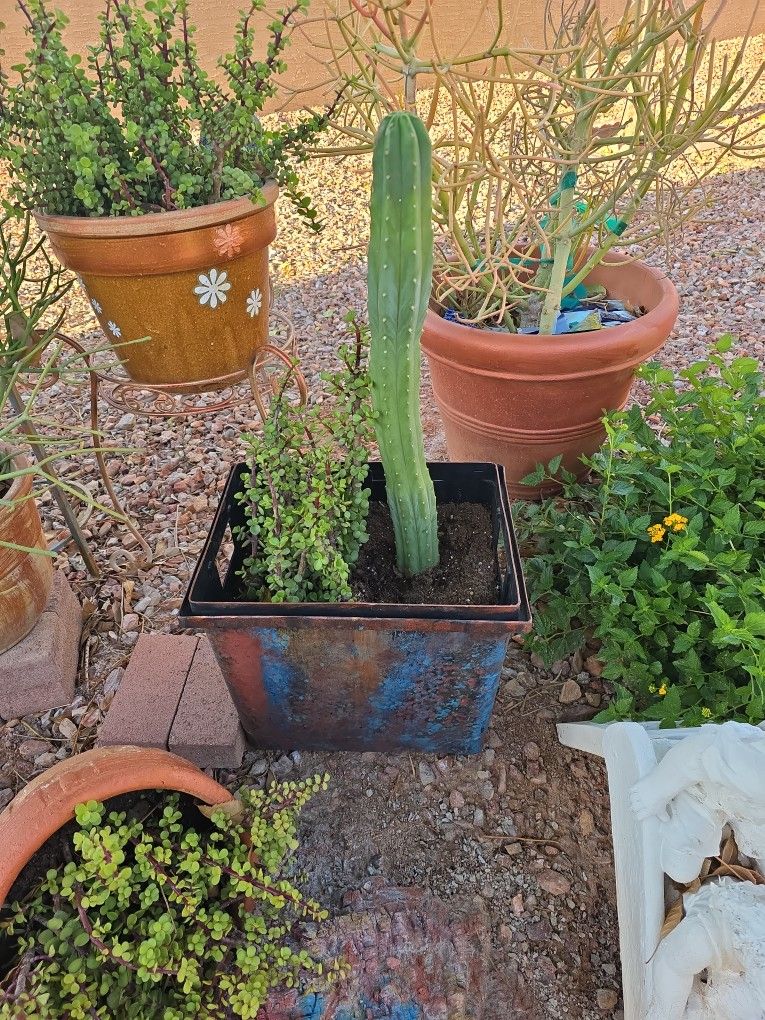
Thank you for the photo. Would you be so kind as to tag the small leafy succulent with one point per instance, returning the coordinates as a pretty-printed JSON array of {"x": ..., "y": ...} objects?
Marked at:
[
  {"x": 140, "y": 126},
  {"x": 304, "y": 498},
  {"x": 661, "y": 563},
  {"x": 154, "y": 920}
]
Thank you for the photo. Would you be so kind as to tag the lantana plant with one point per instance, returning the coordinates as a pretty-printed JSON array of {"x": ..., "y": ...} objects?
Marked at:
[{"x": 658, "y": 563}]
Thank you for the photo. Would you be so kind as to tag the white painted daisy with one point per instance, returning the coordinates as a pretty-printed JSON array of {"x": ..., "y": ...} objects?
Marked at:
[
  {"x": 212, "y": 287},
  {"x": 253, "y": 303},
  {"x": 96, "y": 306},
  {"x": 115, "y": 330}
]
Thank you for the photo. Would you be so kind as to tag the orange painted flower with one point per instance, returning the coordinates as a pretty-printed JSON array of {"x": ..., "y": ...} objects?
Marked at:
[
  {"x": 657, "y": 532},
  {"x": 228, "y": 240}
]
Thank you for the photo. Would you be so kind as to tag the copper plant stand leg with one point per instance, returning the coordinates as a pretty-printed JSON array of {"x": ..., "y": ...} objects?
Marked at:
[
  {"x": 168, "y": 400},
  {"x": 39, "y": 452},
  {"x": 99, "y": 450},
  {"x": 164, "y": 401}
]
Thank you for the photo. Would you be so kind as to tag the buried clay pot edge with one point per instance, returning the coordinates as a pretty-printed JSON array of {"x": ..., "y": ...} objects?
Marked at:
[
  {"x": 48, "y": 801},
  {"x": 183, "y": 295},
  {"x": 521, "y": 400},
  {"x": 25, "y": 577}
]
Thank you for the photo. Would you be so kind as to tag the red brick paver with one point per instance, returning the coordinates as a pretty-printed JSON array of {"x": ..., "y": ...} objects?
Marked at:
[
  {"x": 39, "y": 672},
  {"x": 206, "y": 727},
  {"x": 173, "y": 696}
]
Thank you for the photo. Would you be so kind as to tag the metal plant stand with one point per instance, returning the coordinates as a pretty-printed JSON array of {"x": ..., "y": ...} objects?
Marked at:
[{"x": 259, "y": 383}]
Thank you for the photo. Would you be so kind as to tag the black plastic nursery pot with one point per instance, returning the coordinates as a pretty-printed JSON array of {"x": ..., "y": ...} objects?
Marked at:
[{"x": 363, "y": 676}]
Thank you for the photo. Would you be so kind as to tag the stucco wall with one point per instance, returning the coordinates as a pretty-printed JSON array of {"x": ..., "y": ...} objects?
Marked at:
[{"x": 453, "y": 19}]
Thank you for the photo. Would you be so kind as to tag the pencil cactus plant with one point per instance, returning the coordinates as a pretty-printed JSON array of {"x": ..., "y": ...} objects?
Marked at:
[
  {"x": 400, "y": 269},
  {"x": 548, "y": 158}
]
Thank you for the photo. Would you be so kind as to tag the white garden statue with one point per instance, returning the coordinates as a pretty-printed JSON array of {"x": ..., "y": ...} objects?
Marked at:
[
  {"x": 714, "y": 778},
  {"x": 712, "y": 965}
]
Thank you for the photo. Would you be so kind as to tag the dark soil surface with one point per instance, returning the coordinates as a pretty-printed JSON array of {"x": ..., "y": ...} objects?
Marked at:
[{"x": 466, "y": 576}]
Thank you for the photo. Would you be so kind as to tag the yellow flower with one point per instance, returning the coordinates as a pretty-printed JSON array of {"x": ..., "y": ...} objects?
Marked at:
[
  {"x": 656, "y": 532},
  {"x": 662, "y": 690},
  {"x": 652, "y": 688},
  {"x": 707, "y": 713},
  {"x": 676, "y": 521}
]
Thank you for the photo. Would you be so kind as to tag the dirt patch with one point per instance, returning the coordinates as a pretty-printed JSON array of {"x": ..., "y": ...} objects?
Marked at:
[
  {"x": 466, "y": 575},
  {"x": 521, "y": 829}
]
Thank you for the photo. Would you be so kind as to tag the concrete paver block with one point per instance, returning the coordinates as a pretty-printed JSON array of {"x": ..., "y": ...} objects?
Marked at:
[
  {"x": 39, "y": 672},
  {"x": 144, "y": 707},
  {"x": 206, "y": 729}
]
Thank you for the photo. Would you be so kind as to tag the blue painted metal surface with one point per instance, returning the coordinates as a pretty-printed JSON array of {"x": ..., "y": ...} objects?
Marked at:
[
  {"x": 356, "y": 687},
  {"x": 316, "y": 1007}
]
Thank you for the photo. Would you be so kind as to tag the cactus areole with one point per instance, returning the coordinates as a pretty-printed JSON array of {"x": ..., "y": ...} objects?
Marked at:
[{"x": 399, "y": 280}]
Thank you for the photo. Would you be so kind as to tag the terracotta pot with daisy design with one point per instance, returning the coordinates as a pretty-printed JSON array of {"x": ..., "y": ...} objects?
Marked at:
[{"x": 184, "y": 295}]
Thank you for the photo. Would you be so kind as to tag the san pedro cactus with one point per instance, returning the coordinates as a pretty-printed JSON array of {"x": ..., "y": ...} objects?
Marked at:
[{"x": 400, "y": 270}]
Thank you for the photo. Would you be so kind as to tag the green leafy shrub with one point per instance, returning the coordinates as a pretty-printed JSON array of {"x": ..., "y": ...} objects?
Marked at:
[
  {"x": 154, "y": 920},
  {"x": 304, "y": 498},
  {"x": 139, "y": 126},
  {"x": 662, "y": 561}
]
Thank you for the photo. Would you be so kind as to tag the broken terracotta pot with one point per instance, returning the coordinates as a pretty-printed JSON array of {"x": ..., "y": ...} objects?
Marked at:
[{"x": 49, "y": 800}]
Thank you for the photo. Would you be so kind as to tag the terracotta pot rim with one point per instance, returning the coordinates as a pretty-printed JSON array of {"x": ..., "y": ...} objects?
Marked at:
[
  {"x": 21, "y": 486},
  {"x": 499, "y": 353},
  {"x": 47, "y": 802},
  {"x": 150, "y": 224}
]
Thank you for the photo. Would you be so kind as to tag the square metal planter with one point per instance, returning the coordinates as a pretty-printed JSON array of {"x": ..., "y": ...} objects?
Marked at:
[{"x": 363, "y": 676}]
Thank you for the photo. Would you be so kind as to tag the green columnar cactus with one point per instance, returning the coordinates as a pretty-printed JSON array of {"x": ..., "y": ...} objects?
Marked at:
[{"x": 399, "y": 279}]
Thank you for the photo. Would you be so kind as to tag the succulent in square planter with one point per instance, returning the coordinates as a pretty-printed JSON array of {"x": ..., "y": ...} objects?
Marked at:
[
  {"x": 145, "y": 907},
  {"x": 550, "y": 166},
  {"x": 366, "y": 606},
  {"x": 156, "y": 181}
]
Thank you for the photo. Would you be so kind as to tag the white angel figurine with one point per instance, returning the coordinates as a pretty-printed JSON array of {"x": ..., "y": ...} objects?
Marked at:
[
  {"x": 714, "y": 778},
  {"x": 712, "y": 965}
]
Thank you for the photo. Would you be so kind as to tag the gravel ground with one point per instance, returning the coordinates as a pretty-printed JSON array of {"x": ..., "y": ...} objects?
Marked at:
[{"x": 524, "y": 826}]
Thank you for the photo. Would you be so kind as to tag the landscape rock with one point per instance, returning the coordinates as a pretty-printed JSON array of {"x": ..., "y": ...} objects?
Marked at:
[
  {"x": 31, "y": 748},
  {"x": 593, "y": 665},
  {"x": 606, "y": 999},
  {"x": 554, "y": 883},
  {"x": 67, "y": 728},
  {"x": 570, "y": 692}
]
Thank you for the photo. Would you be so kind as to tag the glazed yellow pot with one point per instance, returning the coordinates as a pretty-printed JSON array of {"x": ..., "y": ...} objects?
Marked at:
[
  {"x": 25, "y": 577},
  {"x": 195, "y": 283}
]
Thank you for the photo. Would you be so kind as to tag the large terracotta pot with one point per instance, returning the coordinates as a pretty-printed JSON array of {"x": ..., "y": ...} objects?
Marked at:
[
  {"x": 521, "y": 400},
  {"x": 25, "y": 577},
  {"x": 194, "y": 282},
  {"x": 48, "y": 802}
]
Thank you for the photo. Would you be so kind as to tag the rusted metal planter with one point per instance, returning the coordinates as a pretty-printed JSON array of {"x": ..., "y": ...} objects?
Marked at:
[{"x": 363, "y": 676}]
